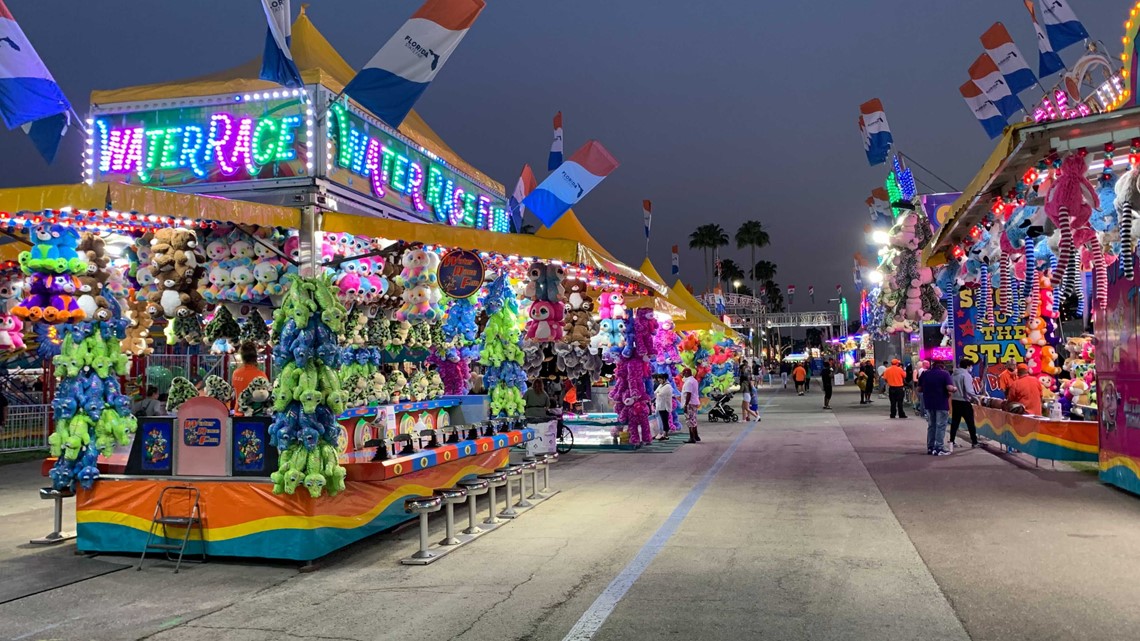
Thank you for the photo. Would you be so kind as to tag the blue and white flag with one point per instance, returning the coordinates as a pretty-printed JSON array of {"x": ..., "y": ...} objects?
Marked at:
[
  {"x": 523, "y": 187},
  {"x": 647, "y": 216},
  {"x": 27, "y": 90},
  {"x": 1049, "y": 61},
  {"x": 989, "y": 79},
  {"x": 277, "y": 61},
  {"x": 1061, "y": 24},
  {"x": 555, "y": 158},
  {"x": 570, "y": 182},
  {"x": 395, "y": 78},
  {"x": 983, "y": 108},
  {"x": 877, "y": 137},
  {"x": 29, "y": 96},
  {"x": 1001, "y": 48}
]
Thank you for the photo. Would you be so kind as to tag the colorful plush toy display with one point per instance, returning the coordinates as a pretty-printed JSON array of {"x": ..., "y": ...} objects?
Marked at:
[
  {"x": 629, "y": 393},
  {"x": 501, "y": 352},
  {"x": 51, "y": 265},
  {"x": 419, "y": 280},
  {"x": 457, "y": 347},
  {"x": 1069, "y": 203},
  {"x": 908, "y": 293},
  {"x": 177, "y": 267},
  {"x": 222, "y": 332},
  {"x": 91, "y": 413},
  {"x": 307, "y": 395}
]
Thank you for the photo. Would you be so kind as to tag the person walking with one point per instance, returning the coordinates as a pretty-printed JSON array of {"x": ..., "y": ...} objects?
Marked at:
[
  {"x": 937, "y": 386},
  {"x": 785, "y": 369},
  {"x": 869, "y": 369},
  {"x": 799, "y": 375},
  {"x": 807, "y": 376},
  {"x": 827, "y": 377},
  {"x": 690, "y": 399},
  {"x": 895, "y": 377},
  {"x": 919, "y": 406},
  {"x": 663, "y": 403},
  {"x": 747, "y": 393},
  {"x": 961, "y": 402},
  {"x": 1026, "y": 390},
  {"x": 882, "y": 381}
]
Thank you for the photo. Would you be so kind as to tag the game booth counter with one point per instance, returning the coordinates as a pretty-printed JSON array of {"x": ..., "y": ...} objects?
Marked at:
[{"x": 369, "y": 266}]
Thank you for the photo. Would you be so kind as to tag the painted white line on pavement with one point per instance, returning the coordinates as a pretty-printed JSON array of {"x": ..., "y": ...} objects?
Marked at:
[{"x": 596, "y": 615}]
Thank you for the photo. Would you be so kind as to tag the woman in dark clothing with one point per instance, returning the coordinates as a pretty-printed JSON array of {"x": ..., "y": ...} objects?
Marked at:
[{"x": 827, "y": 378}]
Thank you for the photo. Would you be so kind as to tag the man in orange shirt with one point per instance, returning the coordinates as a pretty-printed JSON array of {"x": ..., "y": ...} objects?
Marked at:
[
  {"x": 244, "y": 375},
  {"x": 1026, "y": 390},
  {"x": 1006, "y": 378},
  {"x": 799, "y": 375},
  {"x": 895, "y": 376}
]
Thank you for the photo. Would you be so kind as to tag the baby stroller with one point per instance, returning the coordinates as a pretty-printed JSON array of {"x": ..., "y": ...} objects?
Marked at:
[{"x": 721, "y": 410}]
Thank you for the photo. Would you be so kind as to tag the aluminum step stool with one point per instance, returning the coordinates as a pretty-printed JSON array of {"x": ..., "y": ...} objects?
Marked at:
[{"x": 187, "y": 523}]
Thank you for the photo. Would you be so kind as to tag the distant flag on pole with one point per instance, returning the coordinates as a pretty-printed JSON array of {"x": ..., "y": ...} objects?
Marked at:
[
  {"x": 880, "y": 203},
  {"x": 395, "y": 78},
  {"x": 1001, "y": 48},
  {"x": 1061, "y": 24},
  {"x": 523, "y": 187},
  {"x": 555, "y": 157},
  {"x": 839, "y": 290},
  {"x": 984, "y": 109},
  {"x": 858, "y": 276},
  {"x": 791, "y": 293},
  {"x": 647, "y": 216},
  {"x": 877, "y": 132},
  {"x": 989, "y": 79},
  {"x": 1048, "y": 61},
  {"x": 676, "y": 261},
  {"x": 29, "y": 96},
  {"x": 811, "y": 292},
  {"x": 277, "y": 63},
  {"x": 570, "y": 182}
]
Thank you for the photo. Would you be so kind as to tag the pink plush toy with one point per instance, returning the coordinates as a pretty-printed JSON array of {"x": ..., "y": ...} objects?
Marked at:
[
  {"x": 292, "y": 248},
  {"x": 646, "y": 330},
  {"x": 349, "y": 286},
  {"x": 11, "y": 332},
  {"x": 611, "y": 305},
  {"x": 1069, "y": 204},
  {"x": 545, "y": 324}
]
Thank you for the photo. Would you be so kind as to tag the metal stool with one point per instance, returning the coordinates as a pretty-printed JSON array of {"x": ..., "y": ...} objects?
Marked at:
[
  {"x": 423, "y": 505},
  {"x": 550, "y": 459},
  {"x": 494, "y": 480},
  {"x": 528, "y": 468},
  {"x": 474, "y": 488},
  {"x": 540, "y": 465},
  {"x": 450, "y": 496},
  {"x": 513, "y": 472},
  {"x": 57, "y": 535}
]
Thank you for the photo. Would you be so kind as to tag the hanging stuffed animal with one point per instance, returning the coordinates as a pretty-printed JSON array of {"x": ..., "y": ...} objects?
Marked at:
[
  {"x": 1126, "y": 202},
  {"x": 1069, "y": 204}
]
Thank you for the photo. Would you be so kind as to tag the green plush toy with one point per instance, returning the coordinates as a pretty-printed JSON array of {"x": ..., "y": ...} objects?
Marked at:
[
  {"x": 216, "y": 387},
  {"x": 181, "y": 390}
]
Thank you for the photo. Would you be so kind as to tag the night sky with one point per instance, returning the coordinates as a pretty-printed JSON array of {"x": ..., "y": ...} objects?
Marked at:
[{"x": 719, "y": 111}]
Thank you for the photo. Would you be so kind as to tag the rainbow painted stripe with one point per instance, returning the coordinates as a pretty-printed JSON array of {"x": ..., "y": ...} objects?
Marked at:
[
  {"x": 245, "y": 519},
  {"x": 1120, "y": 470},
  {"x": 1041, "y": 438}
]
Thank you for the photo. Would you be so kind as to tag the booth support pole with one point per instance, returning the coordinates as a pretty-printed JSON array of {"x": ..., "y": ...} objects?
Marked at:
[{"x": 308, "y": 243}]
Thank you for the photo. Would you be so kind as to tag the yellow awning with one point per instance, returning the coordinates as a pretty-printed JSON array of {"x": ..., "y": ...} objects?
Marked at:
[
  {"x": 696, "y": 316},
  {"x": 523, "y": 245},
  {"x": 319, "y": 62},
  {"x": 666, "y": 304},
  {"x": 568, "y": 226},
  {"x": 146, "y": 200}
]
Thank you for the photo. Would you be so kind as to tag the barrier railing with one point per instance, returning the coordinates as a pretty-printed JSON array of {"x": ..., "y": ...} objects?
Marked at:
[{"x": 24, "y": 427}]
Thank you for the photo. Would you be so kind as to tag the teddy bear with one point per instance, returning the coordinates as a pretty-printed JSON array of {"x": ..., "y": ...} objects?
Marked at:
[
  {"x": 578, "y": 327},
  {"x": 219, "y": 279}
]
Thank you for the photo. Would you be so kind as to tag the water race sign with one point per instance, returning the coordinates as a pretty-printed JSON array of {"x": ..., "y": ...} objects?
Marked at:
[
  {"x": 276, "y": 136},
  {"x": 246, "y": 140},
  {"x": 367, "y": 159}
]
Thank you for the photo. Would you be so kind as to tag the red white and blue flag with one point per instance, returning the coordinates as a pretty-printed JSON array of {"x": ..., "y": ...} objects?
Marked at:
[
  {"x": 523, "y": 187},
  {"x": 395, "y": 78},
  {"x": 29, "y": 96},
  {"x": 791, "y": 293},
  {"x": 555, "y": 157},
  {"x": 1061, "y": 24},
  {"x": 277, "y": 63},
  {"x": 877, "y": 139},
  {"x": 570, "y": 182},
  {"x": 1049, "y": 61},
  {"x": 989, "y": 79},
  {"x": 811, "y": 292},
  {"x": 647, "y": 216},
  {"x": 983, "y": 108},
  {"x": 1013, "y": 65},
  {"x": 676, "y": 261}
]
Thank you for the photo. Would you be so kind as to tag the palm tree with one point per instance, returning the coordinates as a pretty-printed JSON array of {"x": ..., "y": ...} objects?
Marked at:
[
  {"x": 764, "y": 270},
  {"x": 775, "y": 296},
  {"x": 729, "y": 272},
  {"x": 753, "y": 236},
  {"x": 708, "y": 237}
]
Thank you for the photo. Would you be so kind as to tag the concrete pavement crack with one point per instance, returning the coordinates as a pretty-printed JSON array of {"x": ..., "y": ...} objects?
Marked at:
[{"x": 511, "y": 593}]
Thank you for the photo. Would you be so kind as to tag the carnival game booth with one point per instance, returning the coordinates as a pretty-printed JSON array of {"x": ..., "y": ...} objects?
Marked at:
[
  {"x": 1038, "y": 254},
  {"x": 369, "y": 295}
]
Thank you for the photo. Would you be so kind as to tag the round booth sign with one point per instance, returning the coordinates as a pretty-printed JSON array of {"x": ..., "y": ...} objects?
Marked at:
[{"x": 461, "y": 273}]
